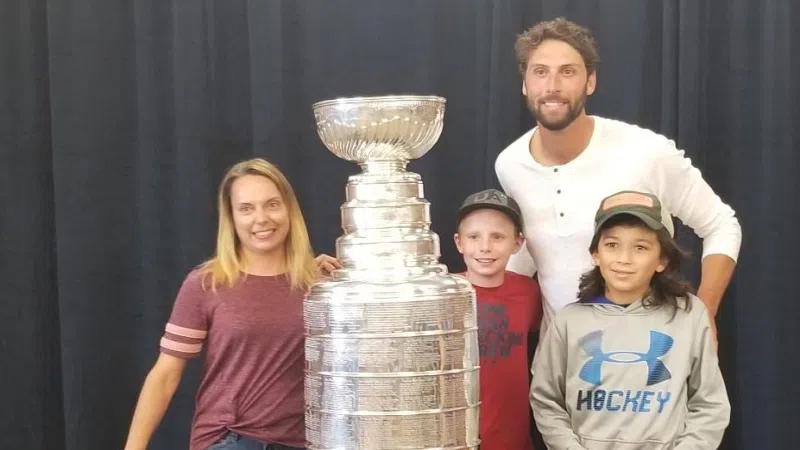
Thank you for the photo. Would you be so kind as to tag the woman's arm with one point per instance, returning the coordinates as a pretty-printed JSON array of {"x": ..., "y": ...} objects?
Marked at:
[{"x": 154, "y": 399}]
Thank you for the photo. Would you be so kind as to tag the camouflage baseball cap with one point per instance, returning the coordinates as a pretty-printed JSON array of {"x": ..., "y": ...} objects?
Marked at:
[
  {"x": 492, "y": 199},
  {"x": 642, "y": 205}
]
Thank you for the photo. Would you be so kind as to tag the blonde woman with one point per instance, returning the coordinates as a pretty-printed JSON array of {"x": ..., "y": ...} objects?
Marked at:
[{"x": 246, "y": 306}]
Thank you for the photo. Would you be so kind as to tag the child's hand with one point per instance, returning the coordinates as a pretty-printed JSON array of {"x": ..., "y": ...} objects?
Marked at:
[{"x": 327, "y": 264}]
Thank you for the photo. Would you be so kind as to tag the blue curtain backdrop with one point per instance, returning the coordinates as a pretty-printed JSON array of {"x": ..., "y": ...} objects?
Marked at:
[{"x": 118, "y": 119}]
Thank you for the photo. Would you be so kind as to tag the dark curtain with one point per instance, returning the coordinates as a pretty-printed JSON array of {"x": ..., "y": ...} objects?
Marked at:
[{"x": 118, "y": 119}]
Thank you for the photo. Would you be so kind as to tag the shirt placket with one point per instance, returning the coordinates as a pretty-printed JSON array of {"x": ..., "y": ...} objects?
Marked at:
[{"x": 560, "y": 186}]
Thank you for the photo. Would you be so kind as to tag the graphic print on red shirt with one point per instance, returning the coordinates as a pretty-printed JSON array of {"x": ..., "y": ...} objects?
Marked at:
[{"x": 506, "y": 314}]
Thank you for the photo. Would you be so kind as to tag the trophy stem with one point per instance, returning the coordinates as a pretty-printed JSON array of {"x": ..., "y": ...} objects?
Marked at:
[{"x": 385, "y": 166}]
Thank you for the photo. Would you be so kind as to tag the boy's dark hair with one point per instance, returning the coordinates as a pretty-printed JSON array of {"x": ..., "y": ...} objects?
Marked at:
[
  {"x": 666, "y": 287},
  {"x": 560, "y": 29}
]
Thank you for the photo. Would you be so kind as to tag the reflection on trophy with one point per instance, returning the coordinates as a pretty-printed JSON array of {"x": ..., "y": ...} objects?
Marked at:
[{"x": 391, "y": 339}]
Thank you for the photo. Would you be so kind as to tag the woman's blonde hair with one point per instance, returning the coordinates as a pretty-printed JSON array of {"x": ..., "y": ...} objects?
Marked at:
[{"x": 226, "y": 266}]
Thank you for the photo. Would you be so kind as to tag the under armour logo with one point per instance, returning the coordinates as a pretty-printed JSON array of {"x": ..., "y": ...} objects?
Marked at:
[
  {"x": 491, "y": 195},
  {"x": 657, "y": 372}
]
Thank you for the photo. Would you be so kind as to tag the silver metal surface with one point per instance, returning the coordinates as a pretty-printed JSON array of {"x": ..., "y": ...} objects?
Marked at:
[{"x": 391, "y": 339}]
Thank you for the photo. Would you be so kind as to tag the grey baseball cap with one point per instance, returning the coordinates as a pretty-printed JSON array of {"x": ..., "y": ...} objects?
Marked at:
[{"x": 492, "y": 199}]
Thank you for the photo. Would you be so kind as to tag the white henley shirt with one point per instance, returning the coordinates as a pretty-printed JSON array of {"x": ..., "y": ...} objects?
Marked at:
[{"x": 559, "y": 202}]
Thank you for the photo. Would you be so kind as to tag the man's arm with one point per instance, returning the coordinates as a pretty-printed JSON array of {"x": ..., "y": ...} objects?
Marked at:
[
  {"x": 685, "y": 194},
  {"x": 715, "y": 276},
  {"x": 522, "y": 261}
]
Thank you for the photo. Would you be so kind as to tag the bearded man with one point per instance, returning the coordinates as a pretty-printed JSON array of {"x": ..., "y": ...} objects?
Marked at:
[{"x": 559, "y": 171}]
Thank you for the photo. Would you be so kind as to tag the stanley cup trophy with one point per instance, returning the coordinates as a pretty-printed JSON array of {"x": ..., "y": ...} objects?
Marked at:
[{"x": 391, "y": 338}]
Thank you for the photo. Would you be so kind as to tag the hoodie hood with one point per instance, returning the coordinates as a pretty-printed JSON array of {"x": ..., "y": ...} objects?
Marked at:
[{"x": 604, "y": 305}]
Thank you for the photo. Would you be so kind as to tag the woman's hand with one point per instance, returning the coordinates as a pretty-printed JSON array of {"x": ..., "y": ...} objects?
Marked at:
[{"x": 327, "y": 264}]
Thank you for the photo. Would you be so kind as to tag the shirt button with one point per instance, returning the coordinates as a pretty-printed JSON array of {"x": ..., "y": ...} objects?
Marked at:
[
  {"x": 558, "y": 191},
  {"x": 562, "y": 214},
  {"x": 555, "y": 170}
]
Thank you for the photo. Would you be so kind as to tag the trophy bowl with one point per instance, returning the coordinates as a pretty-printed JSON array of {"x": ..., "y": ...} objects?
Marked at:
[{"x": 383, "y": 128}]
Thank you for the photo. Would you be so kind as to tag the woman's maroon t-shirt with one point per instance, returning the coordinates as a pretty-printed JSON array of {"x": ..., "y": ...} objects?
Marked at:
[{"x": 252, "y": 379}]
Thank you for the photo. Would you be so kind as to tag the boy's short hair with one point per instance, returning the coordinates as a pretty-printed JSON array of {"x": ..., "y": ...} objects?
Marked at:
[{"x": 491, "y": 199}]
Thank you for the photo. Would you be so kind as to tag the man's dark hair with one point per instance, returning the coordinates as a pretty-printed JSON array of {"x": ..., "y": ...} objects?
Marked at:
[{"x": 561, "y": 29}]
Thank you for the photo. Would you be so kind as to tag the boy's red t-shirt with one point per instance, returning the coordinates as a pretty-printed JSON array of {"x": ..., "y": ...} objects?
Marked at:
[{"x": 506, "y": 314}]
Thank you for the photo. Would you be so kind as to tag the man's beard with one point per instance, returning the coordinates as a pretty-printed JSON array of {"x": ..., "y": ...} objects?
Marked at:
[{"x": 573, "y": 111}]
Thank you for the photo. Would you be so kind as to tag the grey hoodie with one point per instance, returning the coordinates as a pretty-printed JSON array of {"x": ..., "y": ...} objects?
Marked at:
[{"x": 612, "y": 377}]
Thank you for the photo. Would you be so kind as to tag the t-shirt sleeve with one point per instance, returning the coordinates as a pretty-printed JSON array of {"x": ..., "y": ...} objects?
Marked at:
[
  {"x": 187, "y": 327},
  {"x": 536, "y": 305}
]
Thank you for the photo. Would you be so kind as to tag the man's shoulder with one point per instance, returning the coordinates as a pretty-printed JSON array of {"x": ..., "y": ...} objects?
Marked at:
[
  {"x": 514, "y": 150},
  {"x": 641, "y": 138}
]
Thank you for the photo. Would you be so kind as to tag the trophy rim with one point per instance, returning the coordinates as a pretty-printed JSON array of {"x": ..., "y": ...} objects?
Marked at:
[{"x": 377, "y": 99}]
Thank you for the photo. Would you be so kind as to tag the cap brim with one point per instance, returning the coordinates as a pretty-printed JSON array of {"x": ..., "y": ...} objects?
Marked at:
[{"x": 649, "y": 221}]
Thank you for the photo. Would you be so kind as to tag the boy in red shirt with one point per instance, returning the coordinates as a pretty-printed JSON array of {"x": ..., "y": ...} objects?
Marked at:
[{"x": 509, "y": 307}]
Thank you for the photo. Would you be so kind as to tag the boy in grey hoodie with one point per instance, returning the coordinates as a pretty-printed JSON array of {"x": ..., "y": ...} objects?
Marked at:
[{"x": 632, "y": 364}]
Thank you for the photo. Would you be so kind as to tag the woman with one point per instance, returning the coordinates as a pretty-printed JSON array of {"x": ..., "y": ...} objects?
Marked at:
[{"x": 246, "y": 306}]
